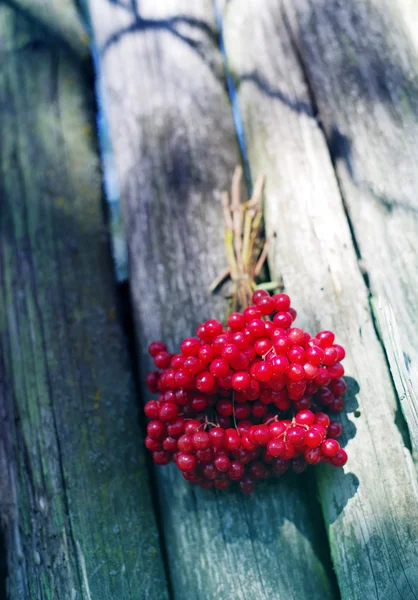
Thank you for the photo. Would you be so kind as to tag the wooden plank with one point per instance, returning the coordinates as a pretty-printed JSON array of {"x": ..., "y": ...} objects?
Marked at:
[
  {"x": 175, "y": 149},
  {"x": 75, "y": 500},
  {"x": 365, "y": 81},
  {"x": 61, "y": 18},
  {"x": 370, "y": 507}
]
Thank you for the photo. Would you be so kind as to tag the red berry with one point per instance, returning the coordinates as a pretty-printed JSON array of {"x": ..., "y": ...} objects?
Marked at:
[
  {"x": 222, "y": 484},
  {"x": 258, "y": 409},
  {"x": 256, "y": 327},
  {"x": 295, "y": 372},
  {"x": 236, "y": 470},
  {"x": 339, "y": 459},
  {"x": 222, "y": 463},
  {"x": 258, "y": 294},
  {"x": 161, "y": 457},
  {"x": 338, "y": 387},
  {"x": 330, "y": 447},
  {"x": 314, "y": 354},
  {"x": 224, "y": 408},
  {"x": 205, "y": 381},
  {"x": 325, "y": 338},
  {"x": 185, "y": 444},
  {"x": 176, "y": 428},
  {"x": 233, "y": 439},
  {"x": 252, "y": 312},
  {"x": 340, "y": 352},
  {"x": 151, "y": 409},
  {"x": 153, "y": 445},
  {"x": 177, "y": 361},
  {"x": 168, "y": 412},
  {"x": 276, "y": 447},
  {"x": 206, "y": 353},
  {"x": 279, "y": 364},
  {"x": 278, "y": 428},
  {"x": 213, "y": 328},
  {"x": 191, "y": 425},
  {"x": 282, "y": 345},
  {"x": 156, "y": 430},
  {"x": 266, "y": 305},
  {"x": 236, "y": 321},
  {"x": 205, "y": 456},
  {"x": 155, "y": 347},
  {"x": 283, "y": 320},
  {"x": 182, "y": 379},
  {"x": 334, "y": 429},
  {"x": 186, "y": 462},
  {"x": 322, "y": 419},
  {"x": 201, "y": 440},
  {"x": 219, "y": 368},
  {"x": 230, "y": 352},
  {"x": 310, "y": 371},
  {"x": 259, "y": 435},
  {"x": 257, "y": 469},
  {"x": 241, "y": 381},
  {"x": 297, "y": 336},
  {"x": 292, "y": 313},
  {"x": 296, "y": 354},
  {"x": 262, "y": 346},
  {"x": 305, "y": 417},
  {"x": 220, "y": 342},
  {"x": 313, "y": 438},
  {"x": 239, "y": 340},
  {"x": 199, "y": 403},
  {"x": 170, "y": 444},
  {"x": 336, "y": 371},
  {"x": 261, "y": 371},
  {"x": 247, "y": 484},
  {"x": 242, "y": 411},
  {"x": 324, "y": 396},
  {"x": 209, "y": 472},
  {"x": 162, "y": 360},
  {"x": 336, "y": 405},
  {"x": 217, "y": 437},
  {"x": 193, "y": 365},
  {"x": 313, "y": 456},
  {"x": 322, "y": 377},
  {"x": 281, "y": 302},
  {"x": 330, "y": 356},
  {"x": 296, "y": 435}
]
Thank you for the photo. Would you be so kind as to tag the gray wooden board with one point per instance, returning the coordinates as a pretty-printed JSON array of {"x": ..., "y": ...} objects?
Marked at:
[
  {"x": 363, "y": 71},
  {"x": 172, "y": 132},
  {"x": 74, "y": 494},
  {"x": 61, "y": 18},
  {"x": 370, "y": 506}
]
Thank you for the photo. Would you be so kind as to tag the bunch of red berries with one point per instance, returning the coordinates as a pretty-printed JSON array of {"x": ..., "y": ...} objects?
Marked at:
[{"x": 247, "y": 402}]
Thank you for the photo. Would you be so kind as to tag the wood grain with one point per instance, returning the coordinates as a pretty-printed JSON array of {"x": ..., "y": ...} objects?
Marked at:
[
  {"x": 175, "y": 149},
  {"x": 75, "y": 500},
  {"x": 365, "y": 82},
  {"x": 370, "y": 506}
]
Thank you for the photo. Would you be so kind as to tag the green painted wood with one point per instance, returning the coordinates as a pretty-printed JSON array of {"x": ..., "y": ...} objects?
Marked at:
[
  {"x": 370, "y": 119},
  {"x": 175, "y": 150},
  {"x": 75, "y": 503},
  {"x": 61, "y": 18},
  {"x": 370, "y": 506}
]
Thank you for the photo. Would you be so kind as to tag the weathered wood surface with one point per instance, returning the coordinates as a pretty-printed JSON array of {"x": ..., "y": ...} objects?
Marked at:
[
  {"x": 365, "y": 82},
  {"x": 370, "y": 507},
  {"x": 74, "y": 495},
  {"x": 61, "y": 18},
  {"x": 174, "y": 141}
]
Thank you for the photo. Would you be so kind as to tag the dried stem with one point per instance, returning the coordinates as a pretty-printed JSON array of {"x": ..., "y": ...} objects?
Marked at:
[{"x": 246, "y": 251}]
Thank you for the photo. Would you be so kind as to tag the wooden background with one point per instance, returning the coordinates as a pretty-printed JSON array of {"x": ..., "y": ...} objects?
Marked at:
[{"x": 322, "y": 97}]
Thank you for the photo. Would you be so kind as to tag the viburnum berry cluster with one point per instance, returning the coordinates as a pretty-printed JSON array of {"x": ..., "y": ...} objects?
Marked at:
[{"x": 247, "y": 402}]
